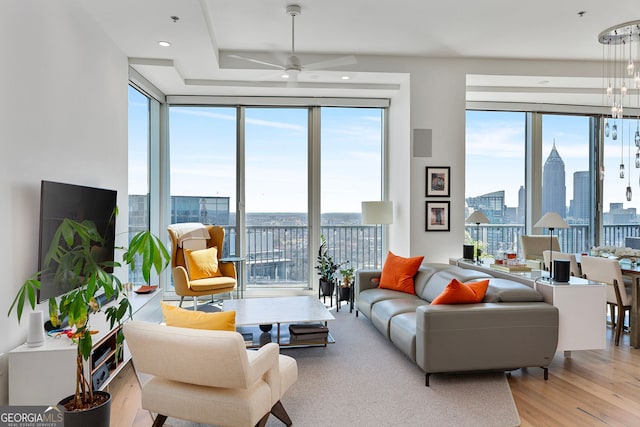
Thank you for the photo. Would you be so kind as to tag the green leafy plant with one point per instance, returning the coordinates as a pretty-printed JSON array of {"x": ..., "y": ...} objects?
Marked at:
[
  {"x": 326, "y": 266},
  {"x": 347, "y": 275},
  {"x": 73, "y": 254}
]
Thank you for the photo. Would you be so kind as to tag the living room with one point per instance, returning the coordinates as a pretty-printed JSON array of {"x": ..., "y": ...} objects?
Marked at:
[{"x": 65, "y": 120}]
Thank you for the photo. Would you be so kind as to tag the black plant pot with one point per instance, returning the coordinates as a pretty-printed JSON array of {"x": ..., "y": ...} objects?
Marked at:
[
  {"x": 326, "y": 287},
  {"x": 98, "y": 416},
  {"x": 345, "y": 293}
]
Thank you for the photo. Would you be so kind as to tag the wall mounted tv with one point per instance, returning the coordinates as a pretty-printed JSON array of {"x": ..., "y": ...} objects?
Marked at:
[{"x": 59, "y": 201}]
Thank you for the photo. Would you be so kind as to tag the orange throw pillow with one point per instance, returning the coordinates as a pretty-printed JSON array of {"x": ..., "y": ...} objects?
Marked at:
[
  {"x": 398, "y": 272},
  {"x": 462, "y": 293}
]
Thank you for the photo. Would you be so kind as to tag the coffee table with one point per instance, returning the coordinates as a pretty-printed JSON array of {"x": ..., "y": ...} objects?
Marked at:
[{"x": 279, "y": 311}]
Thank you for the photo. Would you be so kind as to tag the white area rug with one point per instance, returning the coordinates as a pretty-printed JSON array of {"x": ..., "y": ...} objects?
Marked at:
[{"x": 362, "y": 380}]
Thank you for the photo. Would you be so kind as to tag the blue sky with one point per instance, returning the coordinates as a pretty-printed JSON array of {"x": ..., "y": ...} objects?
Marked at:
[
  {"x": 203, "y": 156},
  {"x": 495, "y": 154}
]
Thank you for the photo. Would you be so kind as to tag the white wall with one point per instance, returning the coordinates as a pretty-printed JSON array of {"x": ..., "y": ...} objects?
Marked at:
[{"x": 63, "y": 117}]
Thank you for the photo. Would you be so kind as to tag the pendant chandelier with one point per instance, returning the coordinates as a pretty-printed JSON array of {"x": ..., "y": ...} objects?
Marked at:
[{"x": 621, "y": 82}]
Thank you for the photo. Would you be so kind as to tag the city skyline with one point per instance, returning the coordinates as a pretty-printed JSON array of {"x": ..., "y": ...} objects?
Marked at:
[{"x": 496, "y": 155}]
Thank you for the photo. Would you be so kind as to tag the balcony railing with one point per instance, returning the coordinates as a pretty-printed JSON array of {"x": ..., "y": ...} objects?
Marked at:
[
  {"x": 575, "y": 239},
  {"x": 279, "y": 255}
]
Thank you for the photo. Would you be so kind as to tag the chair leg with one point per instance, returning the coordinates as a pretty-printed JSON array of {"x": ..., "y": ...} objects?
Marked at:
[
  {"x": 280, "y": 413},
  {"x": 181, "y": 299},
  {"x": 263, "y": 420},
  {"x": 195, "y": 303},
  {"x": 159, "y": 421},
  {"x": 612, "y": 311},
  {"x": 621, "y": 313}
]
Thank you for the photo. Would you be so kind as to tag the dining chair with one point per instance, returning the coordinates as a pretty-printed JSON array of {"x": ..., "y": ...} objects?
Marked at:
[
  {"x": 574, "y": 267},
  {"x": 608, "y": 271},
  {"x": 533, "y": 245}
]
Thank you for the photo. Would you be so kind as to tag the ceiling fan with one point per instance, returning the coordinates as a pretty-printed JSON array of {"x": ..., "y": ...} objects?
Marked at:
[{"x": 292, "y": 65}]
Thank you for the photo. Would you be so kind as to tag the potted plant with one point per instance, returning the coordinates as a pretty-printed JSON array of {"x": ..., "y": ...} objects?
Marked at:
[
  {"x": 326, "y": 268},
  {"x": 347, "y": 280},
  {"x": 72, "y": 251}
]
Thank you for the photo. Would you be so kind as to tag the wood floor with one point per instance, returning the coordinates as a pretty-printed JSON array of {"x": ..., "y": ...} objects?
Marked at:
[{"x": 592, "y": 388}]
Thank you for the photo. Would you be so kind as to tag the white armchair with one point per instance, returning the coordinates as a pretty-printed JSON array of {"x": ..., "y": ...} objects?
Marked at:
[{"x": 209, "y": 376}]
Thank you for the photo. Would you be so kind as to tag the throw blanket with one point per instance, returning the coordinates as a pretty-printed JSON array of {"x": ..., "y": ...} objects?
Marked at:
[{"x": 188, "y": 231}]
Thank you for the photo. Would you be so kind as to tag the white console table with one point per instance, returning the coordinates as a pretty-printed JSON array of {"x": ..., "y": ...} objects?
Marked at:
[
  {"x": 581, "y": 303},
  {"x": 45, "y": 375}
]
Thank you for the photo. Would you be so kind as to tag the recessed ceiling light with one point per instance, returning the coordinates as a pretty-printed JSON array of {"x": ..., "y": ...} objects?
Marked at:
[
  {"x": 164, "y": 43},
  {"x": 285, "y": 76},
  {"x": 345, "y": 77}
]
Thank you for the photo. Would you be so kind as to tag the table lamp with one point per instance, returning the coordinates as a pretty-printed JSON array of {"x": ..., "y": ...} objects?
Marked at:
[
  {"x": 375, "y": 213},
  {"x": 478, "y": 217},
  {"x": 551, "y": 220}
]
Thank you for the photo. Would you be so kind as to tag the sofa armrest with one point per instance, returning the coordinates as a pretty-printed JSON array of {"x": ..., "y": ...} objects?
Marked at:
[
  {"x": 467, "y": 337},
  {"x": 363, "y": 279}
]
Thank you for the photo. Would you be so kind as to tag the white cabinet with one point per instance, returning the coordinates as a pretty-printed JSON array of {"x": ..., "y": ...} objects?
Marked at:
[
  {"x": 582, "y": 313},
  {"x": 44, "y": 375}
]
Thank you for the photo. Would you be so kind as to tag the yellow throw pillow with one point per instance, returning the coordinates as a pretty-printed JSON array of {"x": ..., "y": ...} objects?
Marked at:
[
  {"x": 220, "y": 321},
  {"x": 202, "y": 263}
]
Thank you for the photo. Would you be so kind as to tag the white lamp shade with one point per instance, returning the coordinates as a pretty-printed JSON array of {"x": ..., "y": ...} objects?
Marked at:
[
  {"x": 377, "y": 212},
  {"x": 478, "y": 217},
  {"x": 551, "y": 220}
]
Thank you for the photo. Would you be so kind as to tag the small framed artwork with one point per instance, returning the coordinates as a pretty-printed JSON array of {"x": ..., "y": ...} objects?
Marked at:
[
  {"x": 437, "y": 216},
  {"x": 438, "y": 181}
]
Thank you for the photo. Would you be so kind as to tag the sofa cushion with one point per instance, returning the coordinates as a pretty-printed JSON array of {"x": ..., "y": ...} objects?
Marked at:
[
  {"x": 441, "y": 279},
  {"x": 457, "y": 292},
  {"x": 398, "y": 272},
  {"x": 367, "y": 298},
  {"x": 503, "y": 290},
  {"x": 424, "y": 273},
  {"x": 382, "y": 312},
  {"x": 402, "y": 333}
]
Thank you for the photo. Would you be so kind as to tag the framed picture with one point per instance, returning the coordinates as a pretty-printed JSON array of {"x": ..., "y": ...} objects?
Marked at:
[
  {"x": 438, "y": 181},
  {"x": 437, "y": 216}
]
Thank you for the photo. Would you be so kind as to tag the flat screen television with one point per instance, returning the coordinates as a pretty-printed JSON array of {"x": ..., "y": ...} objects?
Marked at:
[{"x": 59, "y": 201}]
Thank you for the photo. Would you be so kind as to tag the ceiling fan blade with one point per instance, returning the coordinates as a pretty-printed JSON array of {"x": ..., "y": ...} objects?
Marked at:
[
  {"x": 330, "y": 63},
  {"x": 256, "y": 61}
]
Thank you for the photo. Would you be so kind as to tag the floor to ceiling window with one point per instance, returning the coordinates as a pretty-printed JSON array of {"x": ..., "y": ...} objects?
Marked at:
[
  {"x": 138, "y": 182},
  {"x": 202, "y": 170},
  {"x": 249, "y": 169},
  {"x": 495, "y": 177},
  {"x": 351, "y": 170},
  {"x": 566, "y": 180},
  {"x": 276, "y": 199}
]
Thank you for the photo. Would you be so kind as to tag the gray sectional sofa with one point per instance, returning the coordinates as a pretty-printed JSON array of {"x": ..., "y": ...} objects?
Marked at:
[{"x": 512, "y": 328}]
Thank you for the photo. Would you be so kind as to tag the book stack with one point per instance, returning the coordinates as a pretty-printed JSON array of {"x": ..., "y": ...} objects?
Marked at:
[
  {"x": 306, "y": 332},
  {"x": 511, "y": 268}
]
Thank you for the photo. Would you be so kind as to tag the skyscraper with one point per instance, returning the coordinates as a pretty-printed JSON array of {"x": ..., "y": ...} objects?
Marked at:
[
  {"x": 581, "y": 197},
  {"x": 522, "y": 204},
  {"x": 554, "y": 191}
]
